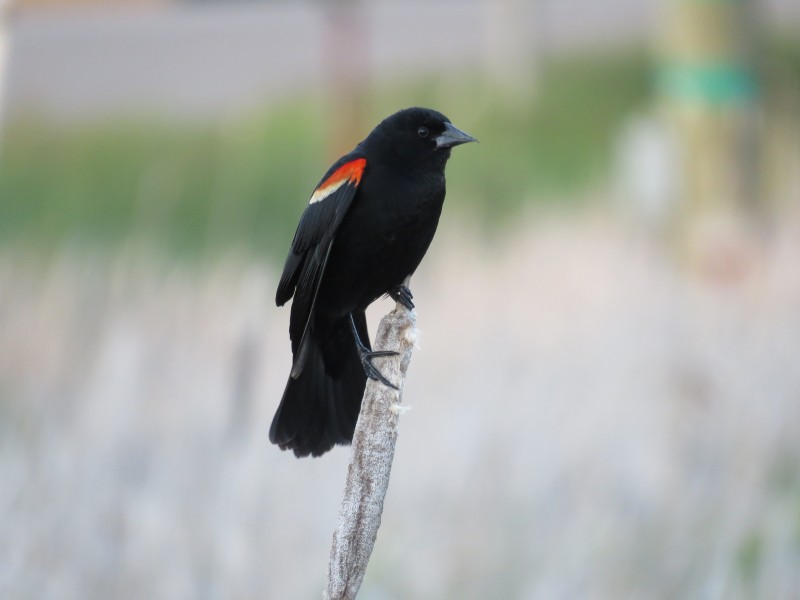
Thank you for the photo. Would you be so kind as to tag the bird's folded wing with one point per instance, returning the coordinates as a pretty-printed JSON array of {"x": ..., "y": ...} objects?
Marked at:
[{"x": 305, "y": 264}]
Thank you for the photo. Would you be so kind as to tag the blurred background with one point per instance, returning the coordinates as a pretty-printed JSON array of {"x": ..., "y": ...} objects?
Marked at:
[{"x": 606, "y": 397}]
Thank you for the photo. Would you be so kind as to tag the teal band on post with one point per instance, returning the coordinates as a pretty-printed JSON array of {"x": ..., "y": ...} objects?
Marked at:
[{"x": 714, "y": 84}]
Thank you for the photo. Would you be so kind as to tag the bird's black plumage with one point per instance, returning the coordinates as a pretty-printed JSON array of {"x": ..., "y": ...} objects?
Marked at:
[{"x": 365, "y": 230}]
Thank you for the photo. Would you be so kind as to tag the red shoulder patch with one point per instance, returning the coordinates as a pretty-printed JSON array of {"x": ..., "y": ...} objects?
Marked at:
[{"x": 349, "y": 172}]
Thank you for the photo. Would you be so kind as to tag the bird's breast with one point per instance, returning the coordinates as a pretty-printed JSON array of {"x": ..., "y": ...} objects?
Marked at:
[{"x": 382, "y": 239}]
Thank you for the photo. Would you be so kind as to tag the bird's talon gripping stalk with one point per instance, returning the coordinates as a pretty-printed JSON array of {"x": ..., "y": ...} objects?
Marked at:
[
  {"x": 402, "y": 295},
  {"x": 366, "y": 355},
  {"x": 372, "y": 371}
]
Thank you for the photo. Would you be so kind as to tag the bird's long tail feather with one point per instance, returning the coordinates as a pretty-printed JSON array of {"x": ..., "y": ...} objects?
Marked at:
[{"x": 320, "y": 405}]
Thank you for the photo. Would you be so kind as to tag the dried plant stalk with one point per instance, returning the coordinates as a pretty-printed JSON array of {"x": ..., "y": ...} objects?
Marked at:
[{"x": 371, "y": 458}]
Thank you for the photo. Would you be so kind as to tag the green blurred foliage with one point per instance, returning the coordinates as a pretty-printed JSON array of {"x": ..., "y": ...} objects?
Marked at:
[
  {"x": 193, "y": 189},
  {"x": 188, "y": 189},
  {"x": 558, "y": 145},
  {"x": 780, "y": 69}
]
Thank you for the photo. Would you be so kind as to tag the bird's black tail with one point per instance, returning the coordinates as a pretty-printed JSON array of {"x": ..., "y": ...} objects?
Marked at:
[{"x": 320, "y": 407}]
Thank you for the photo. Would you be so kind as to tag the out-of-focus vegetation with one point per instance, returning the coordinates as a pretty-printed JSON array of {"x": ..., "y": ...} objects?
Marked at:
[
  {"x": 186, "y": 188},
  {"x": 242, "y": 184},
  {"x": 559, "y": 144}
]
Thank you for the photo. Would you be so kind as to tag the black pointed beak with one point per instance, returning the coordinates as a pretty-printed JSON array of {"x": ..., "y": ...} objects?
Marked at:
[{"x": 452, "y": 136}]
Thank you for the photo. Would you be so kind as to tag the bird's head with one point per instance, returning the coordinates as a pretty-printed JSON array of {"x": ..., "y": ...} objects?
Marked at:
[{"x": 417, "y": 136}]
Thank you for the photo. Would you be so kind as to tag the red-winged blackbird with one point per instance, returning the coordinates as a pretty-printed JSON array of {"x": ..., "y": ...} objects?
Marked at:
[{"x": 365, "y": 230}]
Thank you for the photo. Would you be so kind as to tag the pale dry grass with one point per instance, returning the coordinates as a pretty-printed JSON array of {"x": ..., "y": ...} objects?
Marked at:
[{"x": 588, "y": 422}]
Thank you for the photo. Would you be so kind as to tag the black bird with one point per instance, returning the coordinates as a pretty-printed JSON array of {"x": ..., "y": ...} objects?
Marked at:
[{"x": 366, "y": 228}]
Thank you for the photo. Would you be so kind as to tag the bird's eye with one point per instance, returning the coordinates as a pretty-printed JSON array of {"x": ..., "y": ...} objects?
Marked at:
[{"x": 423, "y": 132}]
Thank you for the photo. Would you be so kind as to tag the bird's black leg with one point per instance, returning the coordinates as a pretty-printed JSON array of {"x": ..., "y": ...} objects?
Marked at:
[
  {"x": 367, "y": 355},
  {"x": 402, "y": 295}
]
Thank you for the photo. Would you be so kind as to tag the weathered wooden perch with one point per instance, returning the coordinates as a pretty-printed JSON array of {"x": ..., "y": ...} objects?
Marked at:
[{"x": 371, "y": 458}]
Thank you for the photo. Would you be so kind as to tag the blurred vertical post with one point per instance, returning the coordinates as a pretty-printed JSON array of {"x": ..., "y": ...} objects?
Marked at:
[
  {"x": 708, "y": 88},
  {"x": 345, "y": 60},
  {"x": 512, "y": 48}
]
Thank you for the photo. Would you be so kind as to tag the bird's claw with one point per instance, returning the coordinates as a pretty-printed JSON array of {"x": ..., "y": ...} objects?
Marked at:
[
  {"x": 372, "y": 371},
  {"x": 366, "y": 355},
  {"x": 402, "y": 295}
]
